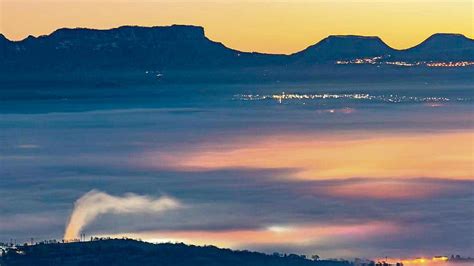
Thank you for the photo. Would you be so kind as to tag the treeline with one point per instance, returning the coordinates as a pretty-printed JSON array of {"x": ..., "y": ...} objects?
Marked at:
[{"x": 132, "y": 252}]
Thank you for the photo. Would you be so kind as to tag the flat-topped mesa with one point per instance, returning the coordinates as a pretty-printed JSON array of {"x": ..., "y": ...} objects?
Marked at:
[
  {"x": 112, "y": 38},
  {"x": 123, "y": 47},
  {"x": 338, "y": 47},
  {"x": 353, "y": 38},
  {"x": 443, "y": 47},
  {"x": 129, "y": 47},
  {"x": 443, "y": 41},
  {"x": 131, "y": 33}
]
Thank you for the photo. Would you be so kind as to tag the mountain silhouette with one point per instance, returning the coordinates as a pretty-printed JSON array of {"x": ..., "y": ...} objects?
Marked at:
[
  {"x": 344, "y": 47},
  {"x": 443, "y": 47},
  {"x": 175, "y": 46},
  {"x": 187, "y": 47},
  {"x": 131, "y": 252}
]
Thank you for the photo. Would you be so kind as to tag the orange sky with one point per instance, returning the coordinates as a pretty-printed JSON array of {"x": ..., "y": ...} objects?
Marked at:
[{"x": 250, "y": 25}]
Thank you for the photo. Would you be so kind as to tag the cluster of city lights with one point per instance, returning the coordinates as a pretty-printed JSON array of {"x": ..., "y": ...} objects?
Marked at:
[
  {"x": 378, "y": 61},
  {"x": 390, "y": 98},
  {"x": 372, "y": 61},
  {"x": 450, "y": 64}
]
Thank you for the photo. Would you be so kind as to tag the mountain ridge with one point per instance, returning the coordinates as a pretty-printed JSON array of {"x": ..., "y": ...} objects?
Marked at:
[
  {"x": 445, "y": 34},
  {"x": 188, "y": 47}
]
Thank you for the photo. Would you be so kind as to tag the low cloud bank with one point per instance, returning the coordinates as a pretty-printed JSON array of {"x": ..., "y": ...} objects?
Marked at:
[{"x": 94, "y": 203}]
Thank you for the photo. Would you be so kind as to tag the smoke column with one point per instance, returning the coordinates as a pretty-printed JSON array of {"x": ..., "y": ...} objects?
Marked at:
[{"x": 95, "y": 203}]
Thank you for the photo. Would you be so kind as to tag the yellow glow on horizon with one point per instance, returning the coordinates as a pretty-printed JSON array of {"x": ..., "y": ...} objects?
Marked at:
[
  {"x": 316, "y": 156},
  {"x": 438, "y": 260},
  {"x": 296, "y": 234},
  {"x": 442, "y": 258},
  {"x": 386, "y": 190},
  {"x": 265, "y": 26}
]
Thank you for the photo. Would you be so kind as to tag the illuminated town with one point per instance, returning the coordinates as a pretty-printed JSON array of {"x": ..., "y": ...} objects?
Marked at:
[
  {"x": 391, "y": 98},
  {"x": 378, "y": 60}
]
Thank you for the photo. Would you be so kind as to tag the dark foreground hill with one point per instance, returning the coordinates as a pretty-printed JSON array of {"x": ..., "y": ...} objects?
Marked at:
[{"x": 131, "y": 252}]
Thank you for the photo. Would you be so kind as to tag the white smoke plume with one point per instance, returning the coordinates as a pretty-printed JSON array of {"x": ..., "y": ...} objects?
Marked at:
[{"x": 95, "y": 203}]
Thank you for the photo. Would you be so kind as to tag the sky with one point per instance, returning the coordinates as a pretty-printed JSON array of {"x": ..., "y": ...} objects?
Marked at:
[
  {"x": 250, "y": 25},
  {"x": 194, "y": 163}
]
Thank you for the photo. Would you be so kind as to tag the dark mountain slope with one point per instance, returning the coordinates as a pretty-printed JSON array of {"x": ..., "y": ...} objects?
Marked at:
[
  {"x": 5, "y": 46},
  {"x": 130, "y": 252},
  {"x": 343, "y": 47},
  {"x": 128, "y": 47},
  {"x": 442, "y": 47}
]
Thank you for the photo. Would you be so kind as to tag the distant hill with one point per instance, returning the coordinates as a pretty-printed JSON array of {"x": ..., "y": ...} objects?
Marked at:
[
  {"x": 187, "y": 47},
  {"x": 131, "y": 252},
  {"x": 344, "y": 47},
  {"x": 438, "y": 48},
  {"x": 133, "y": 47},
  {"x": 443, "y": 47}
]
